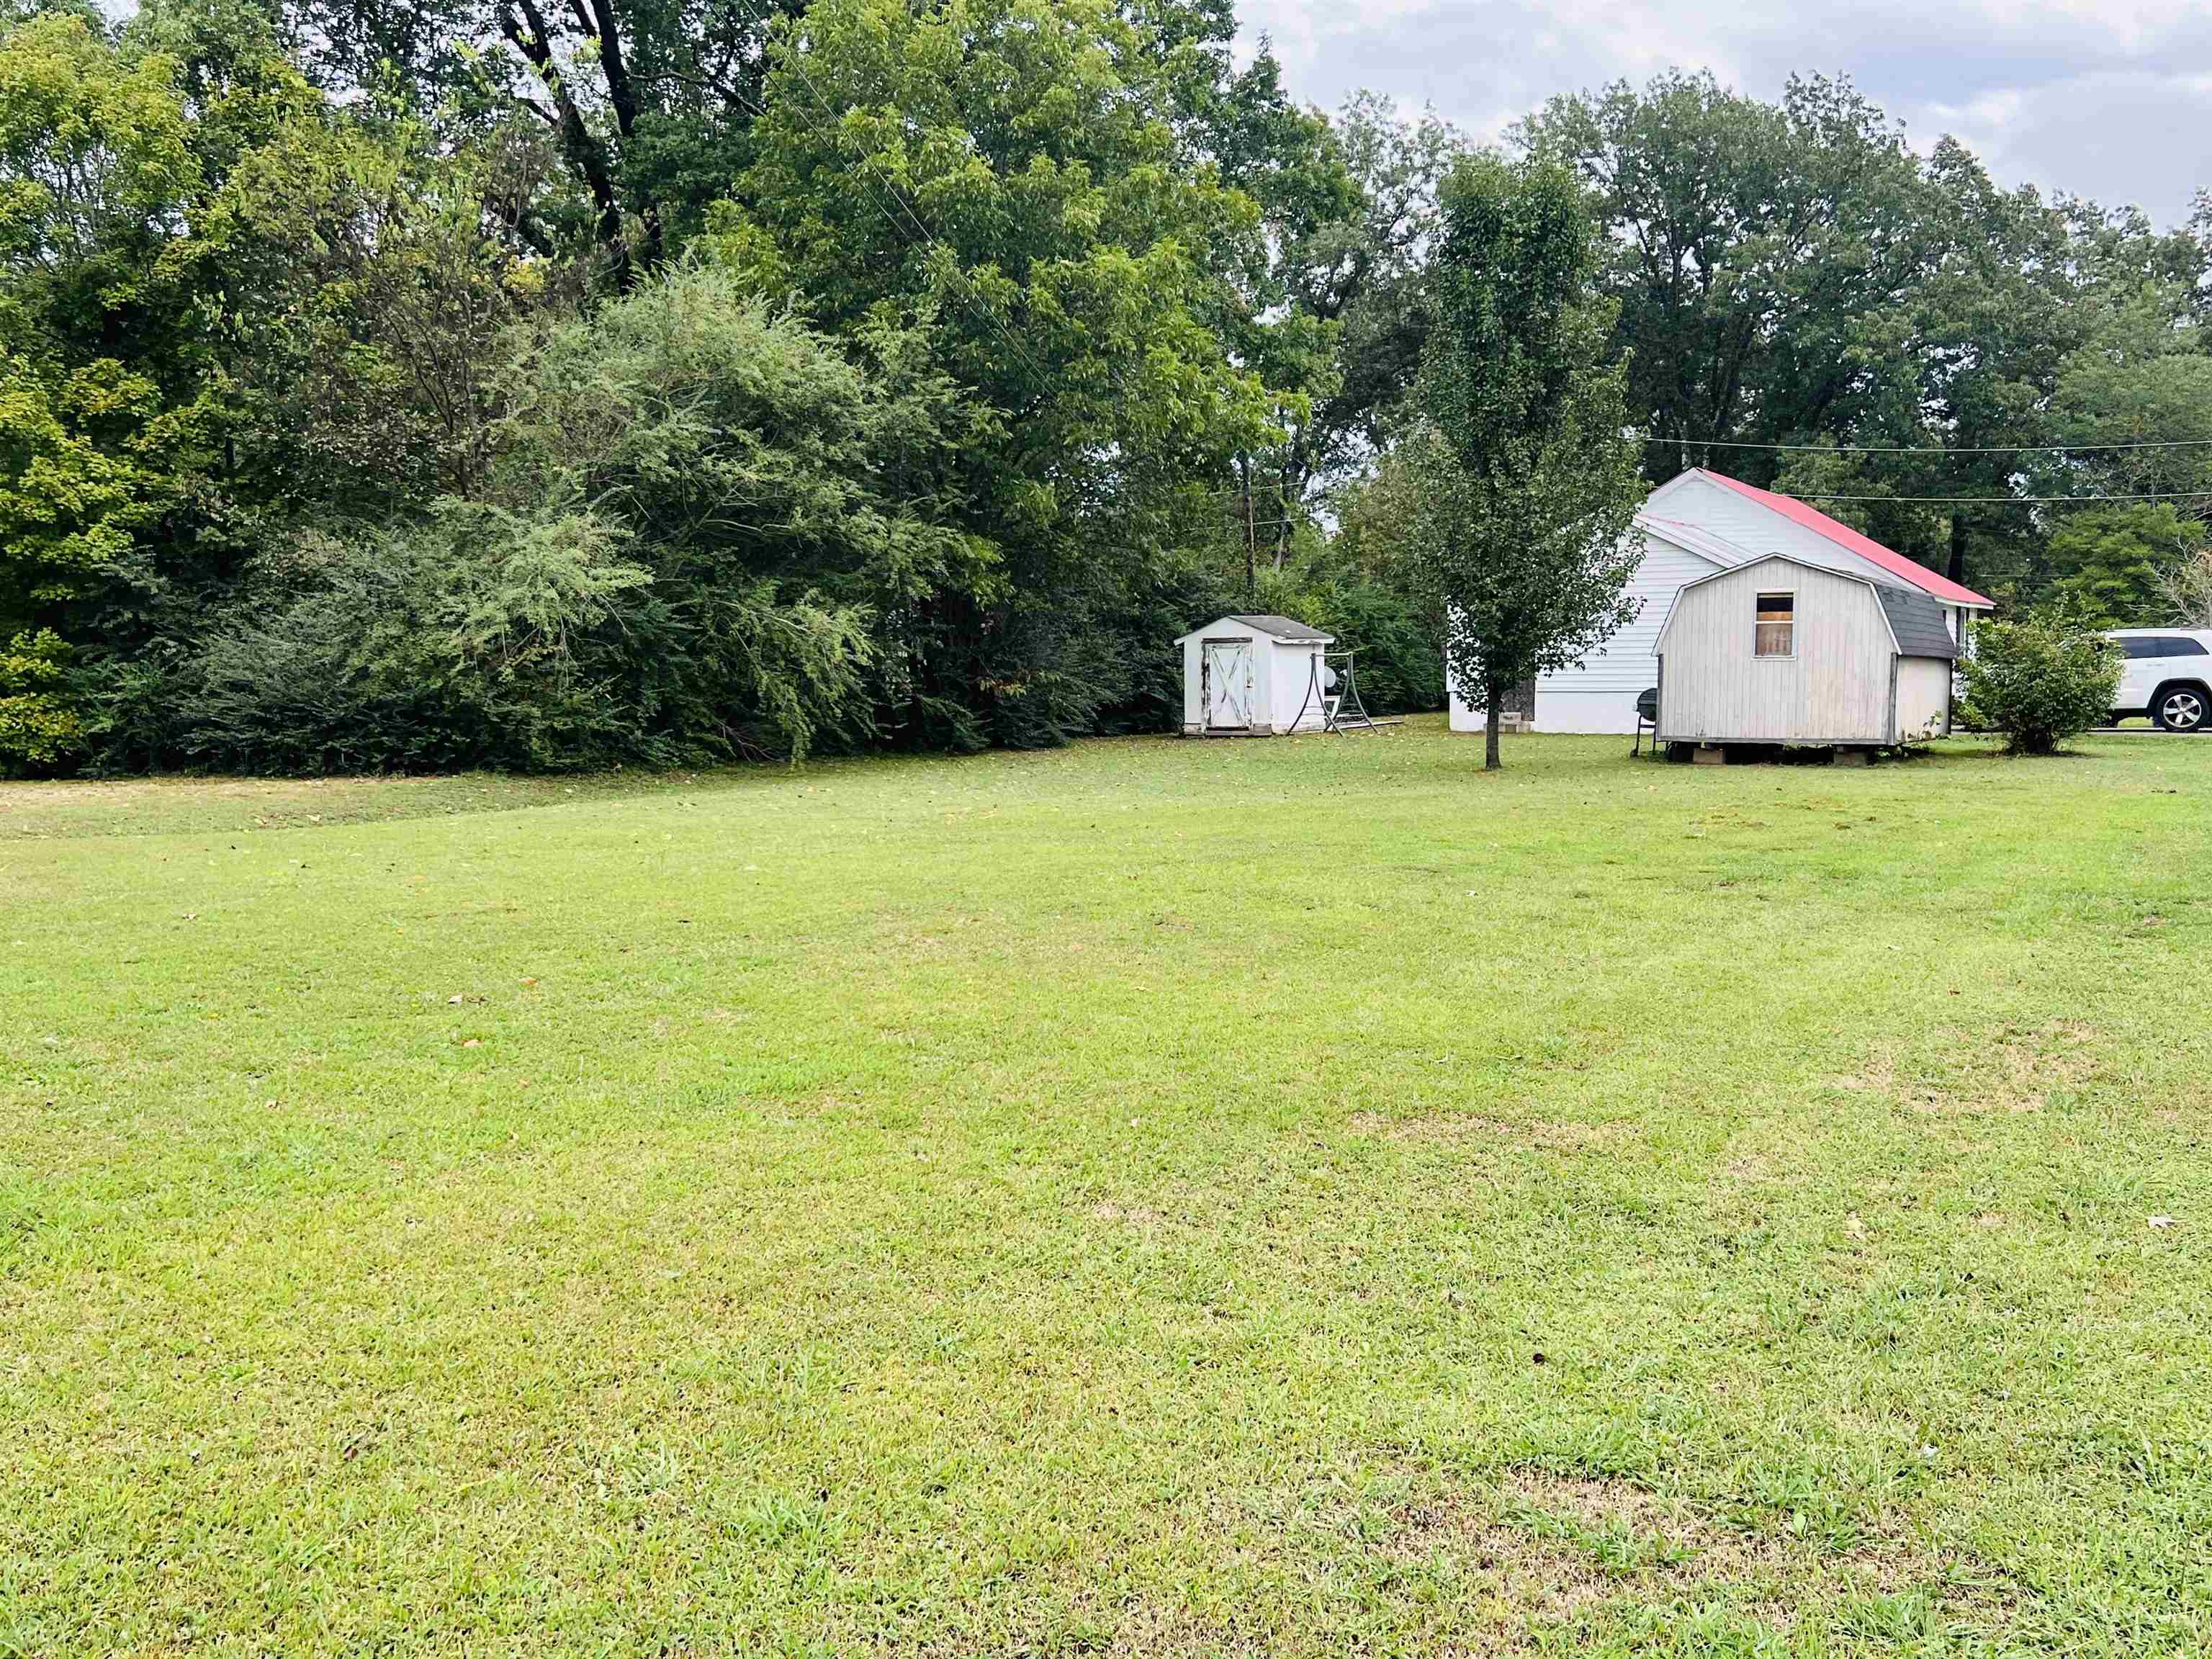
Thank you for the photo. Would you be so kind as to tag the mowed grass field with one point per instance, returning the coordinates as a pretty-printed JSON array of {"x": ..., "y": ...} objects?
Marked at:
[{"x": 1154, "y": 1198}]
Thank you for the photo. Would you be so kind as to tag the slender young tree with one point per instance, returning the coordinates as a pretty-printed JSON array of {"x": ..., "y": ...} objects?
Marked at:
[{"x": 1524, "y": 532}]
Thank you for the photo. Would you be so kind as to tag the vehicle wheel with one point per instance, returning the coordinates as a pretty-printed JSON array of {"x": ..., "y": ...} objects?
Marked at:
[{"x": 2180, "y": 709}]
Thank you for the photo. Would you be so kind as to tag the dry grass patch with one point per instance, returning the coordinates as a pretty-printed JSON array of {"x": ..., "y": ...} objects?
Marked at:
[
  {"x": 1545, "y": 1578},
  {"x": 2009, "y": 1071},
  {"x": 1125, "y": 1215},
  {"x": 1150, "y": 1629},
  {"x": 1558, "y": 1548},
  {"x": 2018, "y": 1072},
  {"x": 1473, "y": 1130}
]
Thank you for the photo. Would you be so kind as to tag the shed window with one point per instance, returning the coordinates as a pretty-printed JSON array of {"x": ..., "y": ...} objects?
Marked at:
[{"x": 1777, "y": 633}]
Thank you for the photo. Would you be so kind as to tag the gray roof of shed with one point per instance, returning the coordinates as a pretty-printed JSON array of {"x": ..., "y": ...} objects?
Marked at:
[
  {"x": 1919, "y": 623},
  {"x": 1282, "y": 628}
]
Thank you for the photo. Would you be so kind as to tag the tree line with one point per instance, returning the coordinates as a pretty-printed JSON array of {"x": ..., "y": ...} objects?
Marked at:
[{"x": 563, "y": 383}]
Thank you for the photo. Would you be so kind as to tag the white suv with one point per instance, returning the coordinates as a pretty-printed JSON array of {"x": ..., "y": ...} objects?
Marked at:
[{"x": 2168, "y": 676}]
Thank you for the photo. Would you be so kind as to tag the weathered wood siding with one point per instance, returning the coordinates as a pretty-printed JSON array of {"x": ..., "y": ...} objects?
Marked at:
[
  {"x": 1835, "y": 689},
  {"x": 1923, "y": 698}
]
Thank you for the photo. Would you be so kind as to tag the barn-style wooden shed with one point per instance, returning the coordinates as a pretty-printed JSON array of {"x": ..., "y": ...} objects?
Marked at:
[
  {"x": 1254, "y": 677},
  {"x": 1777, "y": 651}
]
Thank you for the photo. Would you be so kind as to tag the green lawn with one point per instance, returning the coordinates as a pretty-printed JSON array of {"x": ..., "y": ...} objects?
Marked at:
[{"x": 1152, "y": 1198}]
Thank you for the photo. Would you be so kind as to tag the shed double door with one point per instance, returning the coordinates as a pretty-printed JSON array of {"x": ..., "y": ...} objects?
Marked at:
[{"x": 1225, "y": 684}]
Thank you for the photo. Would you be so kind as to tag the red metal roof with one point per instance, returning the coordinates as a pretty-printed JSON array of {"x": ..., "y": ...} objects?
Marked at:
[{"x": 1866, "y": 547}]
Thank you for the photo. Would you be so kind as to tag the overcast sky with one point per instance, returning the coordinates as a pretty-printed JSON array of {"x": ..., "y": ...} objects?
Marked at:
[{"x": 2110, "y": 99}]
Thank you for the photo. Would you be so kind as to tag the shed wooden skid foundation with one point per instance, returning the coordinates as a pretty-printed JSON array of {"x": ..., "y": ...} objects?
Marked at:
[{"x": 1769, "y": 754}]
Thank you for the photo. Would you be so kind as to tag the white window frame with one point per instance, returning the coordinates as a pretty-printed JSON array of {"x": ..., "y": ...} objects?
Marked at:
[{"x": 1757, "y": 598}]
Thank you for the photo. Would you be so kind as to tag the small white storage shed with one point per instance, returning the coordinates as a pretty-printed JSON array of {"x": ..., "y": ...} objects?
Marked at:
[
  {"x": 1780, "y": 651},
  {"x": 1253, "y": 677}
]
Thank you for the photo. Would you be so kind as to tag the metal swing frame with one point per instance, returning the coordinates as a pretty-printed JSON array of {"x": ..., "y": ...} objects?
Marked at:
[{"x": 1341, "y": 710}]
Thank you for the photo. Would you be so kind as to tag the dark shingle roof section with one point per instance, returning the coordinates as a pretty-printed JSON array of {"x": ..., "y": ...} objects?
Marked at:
[
  {"x": 1919, "y": 623},
  {"x": 1282, "y": 628}
]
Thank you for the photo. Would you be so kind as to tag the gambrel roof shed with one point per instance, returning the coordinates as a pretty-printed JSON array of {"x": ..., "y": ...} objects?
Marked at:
[
  {"x": 1692, "y": 527},
  {"x": 1781, "y": 650}
]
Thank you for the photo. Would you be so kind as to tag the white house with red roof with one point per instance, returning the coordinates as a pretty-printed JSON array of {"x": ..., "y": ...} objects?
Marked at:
[{"x": 1694, "y": 525}]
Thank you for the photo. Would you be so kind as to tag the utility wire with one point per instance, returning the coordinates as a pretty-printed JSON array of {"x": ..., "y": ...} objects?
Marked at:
[
  {"x": 1999, "y": 500},
  {"x": 1932, "y": 449}
]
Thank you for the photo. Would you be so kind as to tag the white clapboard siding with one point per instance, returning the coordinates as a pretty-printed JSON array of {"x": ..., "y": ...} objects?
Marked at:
[
  {"x": 1834, "y": 688},
  {"x": 1756, "y": 527},
  {"x": 1628, "y": 661}
]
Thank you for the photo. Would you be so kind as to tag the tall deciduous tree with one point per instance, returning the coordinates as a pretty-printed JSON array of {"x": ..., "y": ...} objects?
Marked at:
[
  {"x": 1025, "y": 179},
  {"x": 1750, "y": 245},
  {"x": 649, "y": 103},
  {"x": 1526, "y": 534}
]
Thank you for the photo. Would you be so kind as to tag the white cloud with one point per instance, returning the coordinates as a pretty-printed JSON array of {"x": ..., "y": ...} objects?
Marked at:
[{"x": 2085, "y": 96}]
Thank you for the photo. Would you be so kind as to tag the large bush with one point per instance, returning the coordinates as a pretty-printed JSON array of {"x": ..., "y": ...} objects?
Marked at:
[
  {"x": 703, "y": 531},
  {"x": 2041, "y": 680}
]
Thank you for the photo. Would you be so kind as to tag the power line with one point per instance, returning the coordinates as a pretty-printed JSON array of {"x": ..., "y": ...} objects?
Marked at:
[
  {"x": 1999, "y": 500},
  {"x": 1932, "y": 449}
]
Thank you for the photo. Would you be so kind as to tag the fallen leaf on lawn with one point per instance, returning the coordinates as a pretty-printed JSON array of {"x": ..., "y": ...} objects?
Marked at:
[
  {"x": 2162, "y": 1221},
  {"x": 472, "y": 1043},
  {"x": 529, "y": 981}
]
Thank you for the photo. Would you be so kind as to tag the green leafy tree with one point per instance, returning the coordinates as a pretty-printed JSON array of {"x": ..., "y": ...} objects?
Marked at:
[
  {"x": 2185, "y": 592},
  {"x": 2121, "y": 559},
  {"x": 2141, "y": 377},
  {"x": 2041, "y": 680},
  {"x": 1525, "y": 535},
  {"x": 1371, "y": 275},
  {"x": 1019, "y": 179},
  {"x": 1337, "y": 318},
  {"x": 41, "y": 722},
  {"x": 94, "y": 160},
  {"x": 647, "y": 104},
  {"x": 1795, "y": 274},
  {"x": 702, "y": 532},
  {"x": 1750, "y": 247},
  {"x": 96, "y": 156}
]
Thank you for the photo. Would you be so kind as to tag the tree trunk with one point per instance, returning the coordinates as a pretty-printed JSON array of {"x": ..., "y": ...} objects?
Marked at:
[
  {"x": 1957, "y": 573},
  {"x": 1492, "y": 694},
  {"x": 1251, "y": 532},
  {"x": 579, "y": 144},
  {"x": 603, "y": 23}
]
